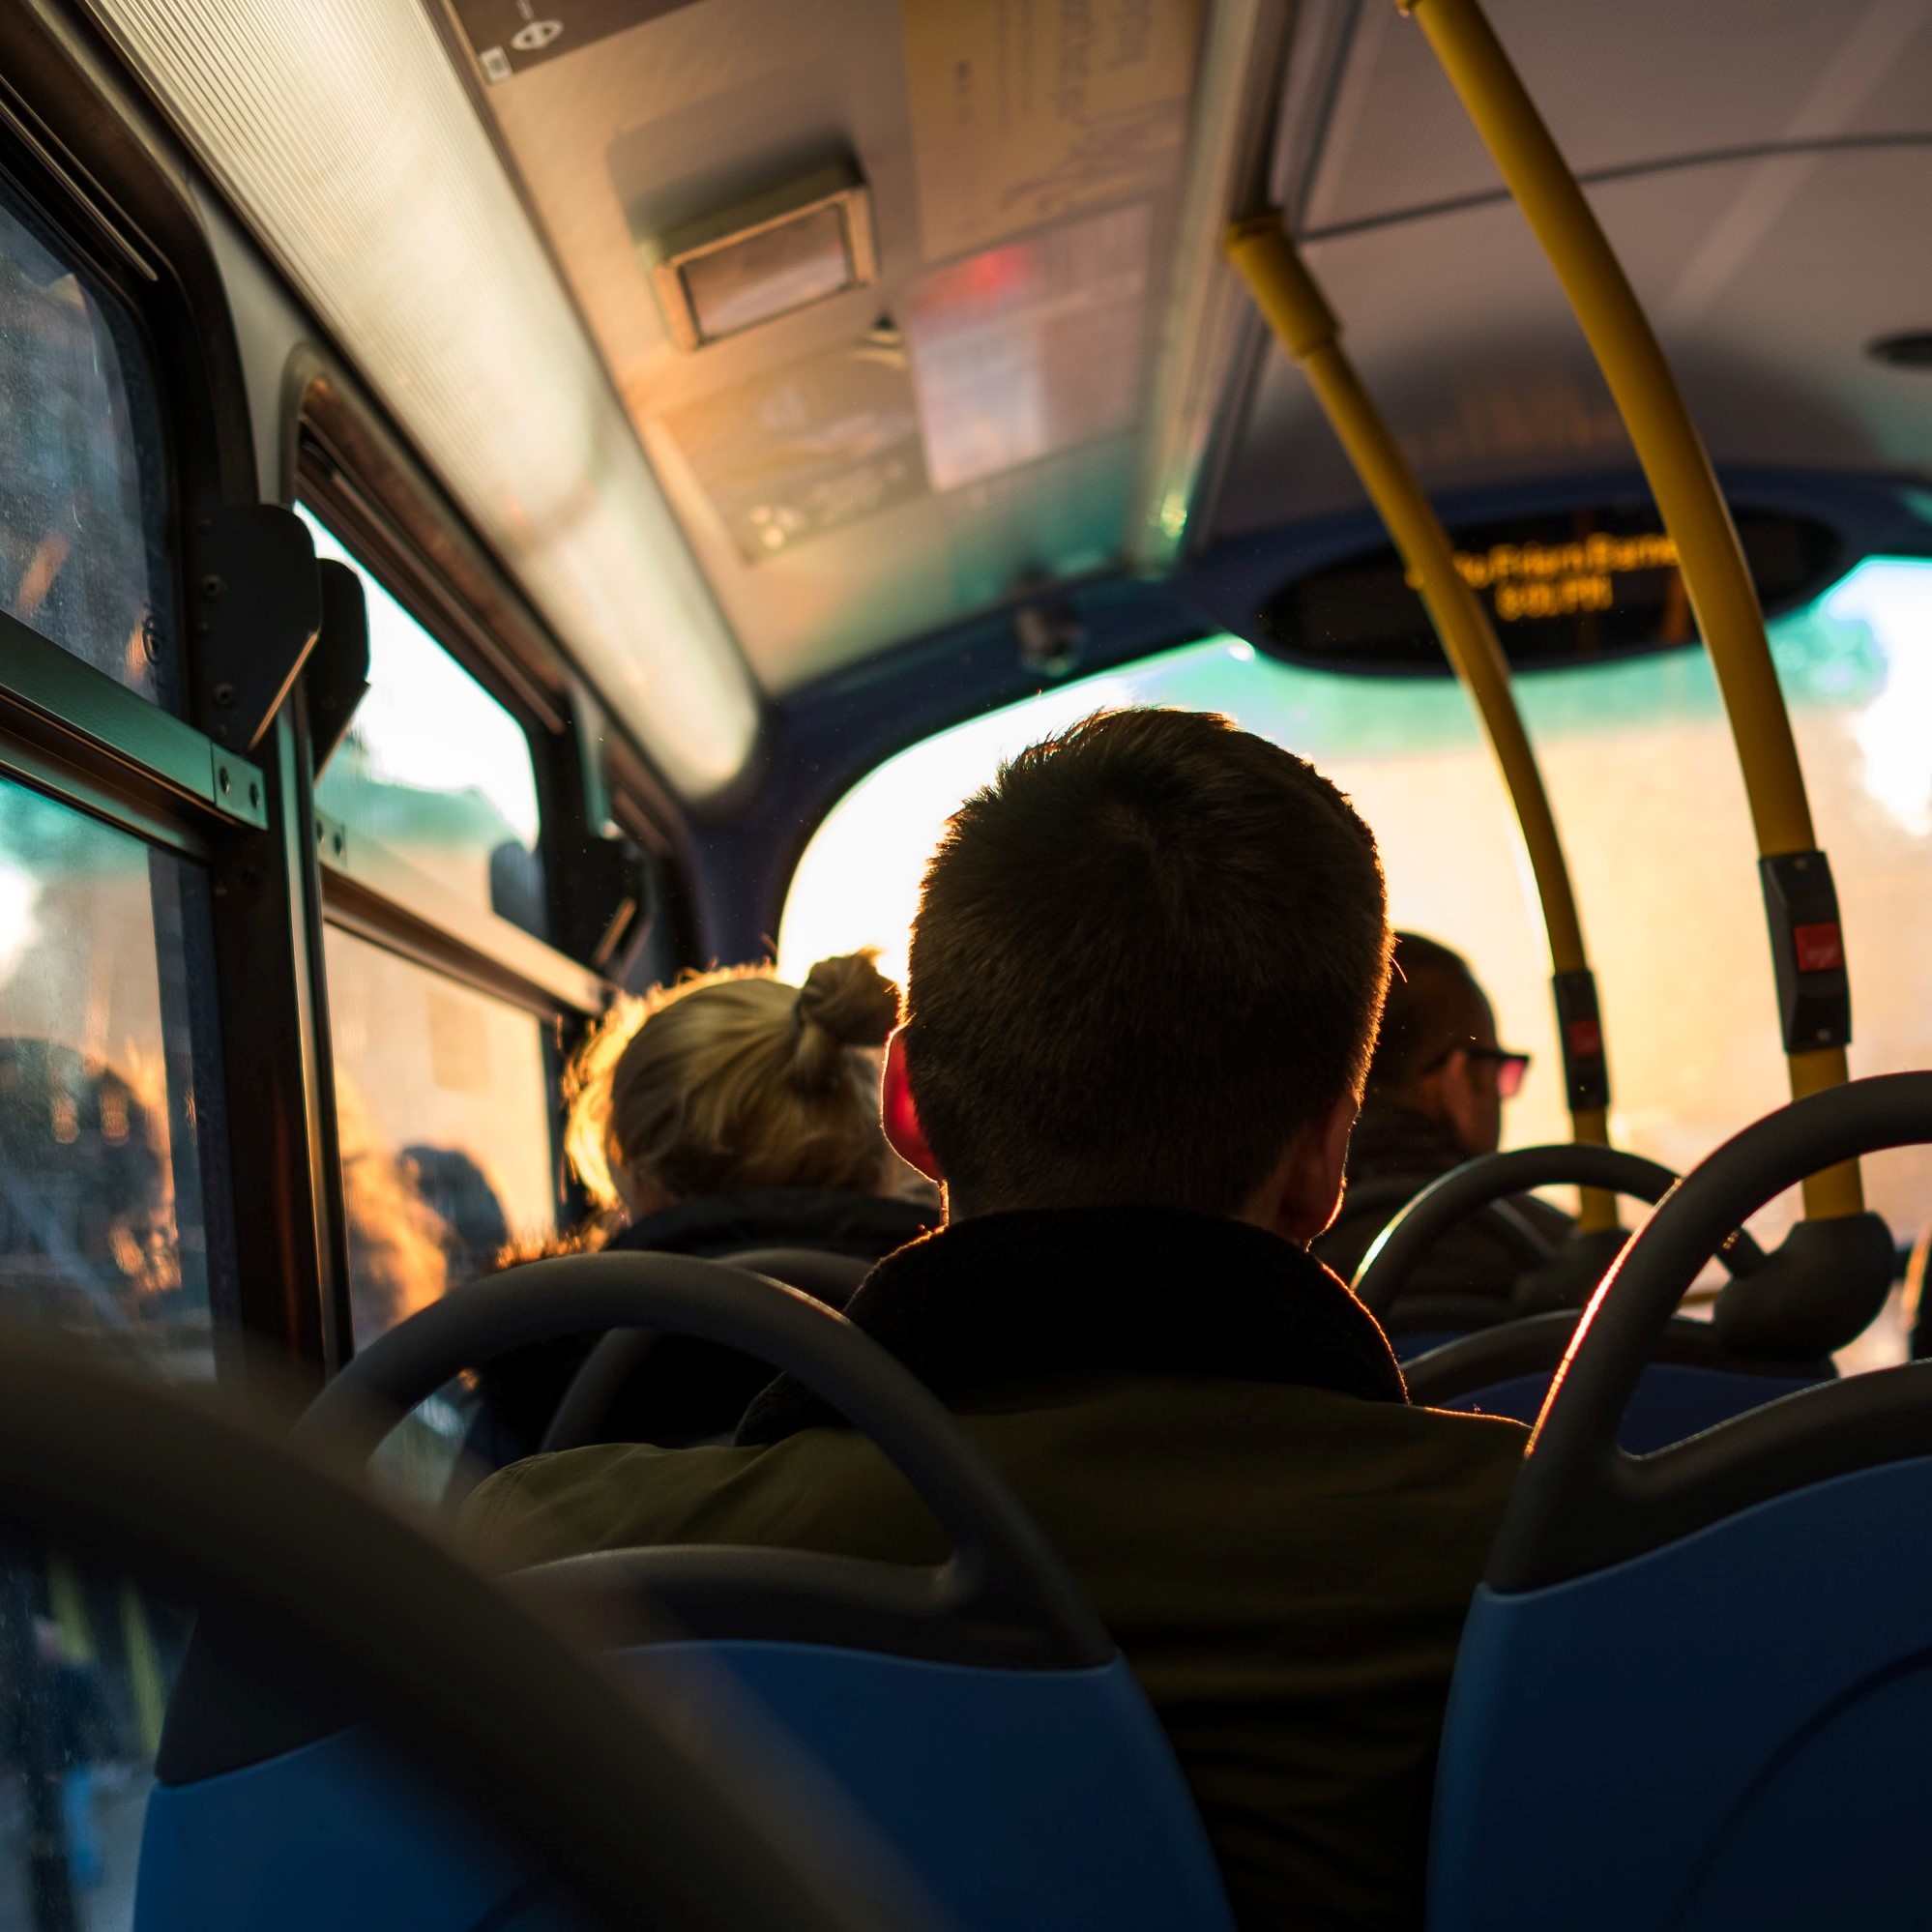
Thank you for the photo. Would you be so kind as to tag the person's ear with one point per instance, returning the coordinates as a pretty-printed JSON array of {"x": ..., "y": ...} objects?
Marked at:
[
  {"x": 896, "y": 1114},
  {"x": 1303, "y": 1195},
  {"x": 1327, "y": 1166}
]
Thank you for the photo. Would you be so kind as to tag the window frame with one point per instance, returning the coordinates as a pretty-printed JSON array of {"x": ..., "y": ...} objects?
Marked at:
[
  {"x": 347, "y": 459},
  {"x": 70, "y": 732},
  {"x": 367, "y": 889},
  {"x": 85, "y": 149},
  {"x": 83, "y": 739},
  {"x": 343, "y": 459},
  {"x": 390, "y": 549},
  {"x": 82, "y": 147},
  {"x": 108, "y": 264}
]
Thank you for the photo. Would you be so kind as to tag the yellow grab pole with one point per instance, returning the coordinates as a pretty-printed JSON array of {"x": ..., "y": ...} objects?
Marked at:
[
  {"x": 1266, "y": 259},
  {"x": 1710, "y": 557},
  {"x": 144, "y": 1669}
]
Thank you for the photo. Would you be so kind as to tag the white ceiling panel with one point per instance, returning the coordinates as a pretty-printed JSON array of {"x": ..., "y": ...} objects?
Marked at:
[
  {"x": 698, "y": 108},
  {"x": 1462, "y": 334},
  {"x": 1621, "y": 82}
]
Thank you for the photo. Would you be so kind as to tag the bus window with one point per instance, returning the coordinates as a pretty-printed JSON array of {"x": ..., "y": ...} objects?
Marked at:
[
  {"x": 444, "y": 1120},
  {"x": 109, "y": 1100},
  {"x": 1635, "y": 753},
  {"x": 83, "y": 509},
  {"x": 433, "y": 768}
]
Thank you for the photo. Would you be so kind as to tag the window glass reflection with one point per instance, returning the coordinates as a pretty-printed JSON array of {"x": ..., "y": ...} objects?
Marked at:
[
  {"x": 87, "y": 1662},
  {"x": 444, "y": 1125},
  {"x": 83, "y": 510},
  {"x": 433, "y": 768},
  {"x": 443, "y": 1115},
  {"x": 109, "y": 1097},
  {"x": 1644, "y": 780}
]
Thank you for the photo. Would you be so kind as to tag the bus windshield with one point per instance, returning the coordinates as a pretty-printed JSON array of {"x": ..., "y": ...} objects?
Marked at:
[{"x": 1645, "y": 785}]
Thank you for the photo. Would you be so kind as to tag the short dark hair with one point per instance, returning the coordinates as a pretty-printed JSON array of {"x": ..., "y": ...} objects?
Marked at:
[
  {"x": 1146, "y": 956},
  {"x": 1435, "y": 1003}
]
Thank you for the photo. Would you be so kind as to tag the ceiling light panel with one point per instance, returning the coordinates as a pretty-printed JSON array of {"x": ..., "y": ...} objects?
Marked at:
[{"x": 345, "y": 138}]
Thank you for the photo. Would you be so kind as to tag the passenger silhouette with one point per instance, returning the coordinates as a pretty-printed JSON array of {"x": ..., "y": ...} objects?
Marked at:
[
  {"x": 87, "y": 1229},
  {"x": 1145, "y": 979},
  {"x": 399, "y": 1247},
  {"x": 729, "y": 1113},
  {"x": 460, "y": 1194},
  {"x": 1437, "y": 1088}
]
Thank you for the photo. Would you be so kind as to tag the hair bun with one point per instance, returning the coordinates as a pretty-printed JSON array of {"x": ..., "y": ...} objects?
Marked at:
[
  {"x": 844, "y": 1002},
  {"x": 850, "y": 999}
]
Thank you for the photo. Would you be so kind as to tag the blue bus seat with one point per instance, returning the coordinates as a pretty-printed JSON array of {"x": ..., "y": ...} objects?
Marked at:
[
  {"x": 1694, "y": 1689},
  {"x": 969, "y": 1730},
  {"x": 1674, "y": 1400},
  {"x": 331, "y": 1834},
  {"x": 1691, "y": 1385},
  {"x": 1011, "y": 1796},
  {"x": 1732, "y": 1731},
  {"x": 1015, "y": 1798}
]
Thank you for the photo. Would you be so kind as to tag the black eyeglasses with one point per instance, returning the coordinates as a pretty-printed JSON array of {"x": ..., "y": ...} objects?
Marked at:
[{"x": 1509, "y": 1066}]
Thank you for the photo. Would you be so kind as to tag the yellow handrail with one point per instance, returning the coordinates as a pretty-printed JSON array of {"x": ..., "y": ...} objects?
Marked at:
[
  {"x": 1673, "y": 457},
  {"x": 1267, "y": 260}
]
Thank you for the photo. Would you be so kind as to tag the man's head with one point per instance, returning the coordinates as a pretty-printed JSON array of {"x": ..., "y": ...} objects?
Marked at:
[
  {"x": 1145, "y": 970},
  {"x": 1437, "y": 1052}
]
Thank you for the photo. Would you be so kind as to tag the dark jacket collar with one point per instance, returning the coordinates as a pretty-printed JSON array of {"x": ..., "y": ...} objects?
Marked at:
[
  {"x": 830, "y": 1220},
  {"x": 1067, "y": 1291}
]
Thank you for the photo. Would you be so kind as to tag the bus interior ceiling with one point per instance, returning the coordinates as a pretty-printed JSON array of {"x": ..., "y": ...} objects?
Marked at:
[
  {"x": 990, "y": 424},
  {"x": 1014, "y": 335},
  {"x": 1040, "y": 385},
  {"x": 718, "y": 432},
  {"x": 919, "y": 316}
]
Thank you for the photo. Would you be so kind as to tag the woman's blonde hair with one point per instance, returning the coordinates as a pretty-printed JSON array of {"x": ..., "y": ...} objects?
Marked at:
[{"x": 732, "y": 1081}]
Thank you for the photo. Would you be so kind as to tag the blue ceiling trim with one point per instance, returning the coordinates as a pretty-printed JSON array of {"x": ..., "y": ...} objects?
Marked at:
[{"x": 823, "y": 738}]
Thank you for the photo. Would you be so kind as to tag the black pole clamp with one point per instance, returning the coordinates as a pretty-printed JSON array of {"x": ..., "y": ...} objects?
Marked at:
[
  {"x": 1814, "y": 994},
  {"x": 1586, "y": 1073}
]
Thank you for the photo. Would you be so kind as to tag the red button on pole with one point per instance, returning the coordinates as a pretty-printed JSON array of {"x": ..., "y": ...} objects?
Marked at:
[
  {"x": 1819, "y": 948},
  {"x": 1585, "y": 1037}
]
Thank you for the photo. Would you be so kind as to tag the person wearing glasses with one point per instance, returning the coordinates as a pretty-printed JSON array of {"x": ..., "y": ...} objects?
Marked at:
[{"x": 1436, "y": 1089}]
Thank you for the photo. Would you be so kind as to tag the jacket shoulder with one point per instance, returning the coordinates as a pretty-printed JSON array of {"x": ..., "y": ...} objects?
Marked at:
[{"x": 627, "y": 1496}]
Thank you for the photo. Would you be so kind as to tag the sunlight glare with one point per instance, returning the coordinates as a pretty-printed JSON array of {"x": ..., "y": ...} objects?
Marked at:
[
  {"x": 1894, "y": 732},
  {"x": 1633, "y": 752},
  {"x": 426, "y": 723},
  {"x": 18, "y": 927},
  {"x": 857, "y": 884}
]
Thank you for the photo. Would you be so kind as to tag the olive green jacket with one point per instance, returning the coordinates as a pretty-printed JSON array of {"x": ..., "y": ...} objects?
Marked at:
[{"x": 1286, "y": 1566}]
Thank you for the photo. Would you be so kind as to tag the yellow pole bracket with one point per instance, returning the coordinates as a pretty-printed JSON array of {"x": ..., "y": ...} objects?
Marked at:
[
  {"x": 1715, "y": 577},
  {"x": 1267, "y": 260}
]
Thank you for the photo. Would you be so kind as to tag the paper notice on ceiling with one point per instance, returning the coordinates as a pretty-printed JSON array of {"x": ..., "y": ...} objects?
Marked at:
[
  {"x": 1027, "y": 111},
  {"x": 808, "y": 448},
  {"x": 1030, "y": 348},
  {"x": 508, "y": 36}
]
